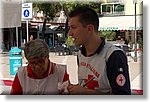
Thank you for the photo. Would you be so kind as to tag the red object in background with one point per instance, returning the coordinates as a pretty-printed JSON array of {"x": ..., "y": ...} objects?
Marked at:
[
  {"x": 122, "y": 30},
  {"x": 8, "y": 82},
  {"x": 139, "y": 92}
]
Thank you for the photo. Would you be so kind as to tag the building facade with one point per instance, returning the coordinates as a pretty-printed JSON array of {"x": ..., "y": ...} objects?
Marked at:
[{"x": 119, "y": 16}]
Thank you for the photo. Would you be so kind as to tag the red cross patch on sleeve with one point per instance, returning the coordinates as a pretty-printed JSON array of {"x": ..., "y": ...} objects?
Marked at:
[{"x": 120, "y": 80}]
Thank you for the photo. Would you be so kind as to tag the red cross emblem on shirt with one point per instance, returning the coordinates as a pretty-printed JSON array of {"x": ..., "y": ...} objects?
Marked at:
[
  {"x": 92, "y": 84},
  {"x": 120, "y": 80}
]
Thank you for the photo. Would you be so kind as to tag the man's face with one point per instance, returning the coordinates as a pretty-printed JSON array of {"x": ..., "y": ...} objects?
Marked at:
[
  {"x": 77, "y": 31},
  {"x": 38, "y": 65}
]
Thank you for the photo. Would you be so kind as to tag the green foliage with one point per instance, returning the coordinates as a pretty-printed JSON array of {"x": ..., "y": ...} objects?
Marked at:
[
  {"x": 69, "y": 41},
  {"x": 72, "y": 5},
  {"x": 49, "y": 8},
  {"x": 140, "y": 42},
  {"x": 109, "y": 35}
]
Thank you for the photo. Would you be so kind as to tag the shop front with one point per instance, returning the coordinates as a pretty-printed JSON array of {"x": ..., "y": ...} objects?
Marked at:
[{"x": 124, "y": 26}]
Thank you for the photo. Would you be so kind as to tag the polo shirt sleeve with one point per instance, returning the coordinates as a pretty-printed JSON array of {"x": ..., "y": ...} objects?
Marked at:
[{"x": 118, "y": 73}]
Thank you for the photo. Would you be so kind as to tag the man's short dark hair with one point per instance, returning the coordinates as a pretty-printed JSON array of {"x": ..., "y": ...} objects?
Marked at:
[{"x": 86, "y": 16}]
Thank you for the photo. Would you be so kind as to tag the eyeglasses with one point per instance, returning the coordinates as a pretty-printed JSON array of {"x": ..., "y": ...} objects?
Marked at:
[{"x": 36, "y": 61}]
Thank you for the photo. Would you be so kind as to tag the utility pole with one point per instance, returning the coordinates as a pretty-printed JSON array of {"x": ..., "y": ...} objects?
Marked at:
[{"x": 135, "y": 38}]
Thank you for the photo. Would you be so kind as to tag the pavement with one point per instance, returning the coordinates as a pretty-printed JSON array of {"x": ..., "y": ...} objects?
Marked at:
[{"x": 135, "y": 71}]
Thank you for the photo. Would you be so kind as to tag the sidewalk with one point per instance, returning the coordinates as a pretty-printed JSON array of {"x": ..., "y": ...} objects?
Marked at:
[
  {"x": 137, "y": 82},
  {"x": 136, "y": 74},
  {"x": 135, "y": 71}
]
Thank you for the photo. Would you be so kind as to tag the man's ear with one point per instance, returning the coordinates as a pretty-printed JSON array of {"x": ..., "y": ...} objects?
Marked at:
[{"x": 90, "y": 27}]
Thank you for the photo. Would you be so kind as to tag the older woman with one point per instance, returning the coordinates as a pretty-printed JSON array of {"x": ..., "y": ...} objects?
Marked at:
[{"x": 40, "y": 76}]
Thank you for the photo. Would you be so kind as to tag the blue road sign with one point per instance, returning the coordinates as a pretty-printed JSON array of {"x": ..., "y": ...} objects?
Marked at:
[{"x": 26, "y": 13}]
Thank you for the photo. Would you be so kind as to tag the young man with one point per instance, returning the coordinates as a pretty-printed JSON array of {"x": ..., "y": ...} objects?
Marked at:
[
  {"x": 41, "y": 76},
  {"x": 103, "y": 68}
]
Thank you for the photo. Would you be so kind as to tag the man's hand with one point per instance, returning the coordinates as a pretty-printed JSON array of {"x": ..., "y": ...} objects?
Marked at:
[{"x": 79, "y": 90}]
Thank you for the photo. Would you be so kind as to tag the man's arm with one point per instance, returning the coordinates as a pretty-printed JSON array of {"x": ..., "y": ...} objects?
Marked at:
[{"x": 118, "y": 73}]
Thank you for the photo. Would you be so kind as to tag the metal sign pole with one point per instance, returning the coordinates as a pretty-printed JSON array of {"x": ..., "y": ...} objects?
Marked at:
[
  {"x": 53, "y": 39},
  {"x": 27, "y": 23},
  {"x": 135, "y": 39},
  {"x": 17, "y": 36}
]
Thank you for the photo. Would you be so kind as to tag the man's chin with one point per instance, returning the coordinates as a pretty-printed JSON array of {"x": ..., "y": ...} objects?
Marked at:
[{"x": 76, "y": 44}]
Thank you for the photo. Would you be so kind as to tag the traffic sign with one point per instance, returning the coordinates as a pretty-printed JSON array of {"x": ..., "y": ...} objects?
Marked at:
[{"x": 27, "y": 11}]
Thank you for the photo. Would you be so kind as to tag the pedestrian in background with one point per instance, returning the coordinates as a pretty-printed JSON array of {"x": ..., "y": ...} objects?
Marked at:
[
  {"x": 103, "y": 68},
  {"x": 31, "y": 37},
  {"x": 40, "y": 76},
  {"x": 126, "y": 41}
]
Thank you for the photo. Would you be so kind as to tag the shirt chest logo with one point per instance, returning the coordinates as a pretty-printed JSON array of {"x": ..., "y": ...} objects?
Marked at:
[
  {"x": 90, "y": 67},
  {"x": 91, "y": 84}
]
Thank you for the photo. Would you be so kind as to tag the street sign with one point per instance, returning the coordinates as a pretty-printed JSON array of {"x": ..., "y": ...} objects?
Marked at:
[{"x": 27, "y": 11}]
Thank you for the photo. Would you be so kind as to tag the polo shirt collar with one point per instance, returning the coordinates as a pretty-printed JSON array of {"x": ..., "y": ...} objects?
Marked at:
[{"x": 98, "y": 50}]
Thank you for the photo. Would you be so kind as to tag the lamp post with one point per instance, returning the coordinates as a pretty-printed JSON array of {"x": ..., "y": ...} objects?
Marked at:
[
  {"x": 135, "y": 31},
  {"x": 135, "y": 38}
]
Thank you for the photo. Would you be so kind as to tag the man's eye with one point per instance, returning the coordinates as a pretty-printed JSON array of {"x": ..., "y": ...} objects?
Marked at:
[{"x": 74, "y": 27}]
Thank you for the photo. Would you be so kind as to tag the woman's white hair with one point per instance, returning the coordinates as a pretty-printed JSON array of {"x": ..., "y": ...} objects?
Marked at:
[{"x": 36, "y": 48}]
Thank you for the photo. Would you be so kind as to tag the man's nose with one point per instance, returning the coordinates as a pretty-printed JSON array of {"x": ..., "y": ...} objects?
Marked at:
[{"x": 70, "y": 33}]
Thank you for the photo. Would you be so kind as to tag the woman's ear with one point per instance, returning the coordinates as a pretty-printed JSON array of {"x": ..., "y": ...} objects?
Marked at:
[{"x": 47, "y": 57}]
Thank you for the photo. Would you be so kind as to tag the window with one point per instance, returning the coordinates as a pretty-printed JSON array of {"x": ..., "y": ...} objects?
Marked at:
[
  {"x": 113, "y": 8},
  {"x": 119, "y": 8}
]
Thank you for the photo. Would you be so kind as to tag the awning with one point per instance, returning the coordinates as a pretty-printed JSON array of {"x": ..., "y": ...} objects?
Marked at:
[{"x": 121, "y": 23}]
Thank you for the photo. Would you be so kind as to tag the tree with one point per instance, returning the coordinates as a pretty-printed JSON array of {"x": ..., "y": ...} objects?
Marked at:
[
  {"x": 140, "y": 42},
  {"x": 49, "y": 10},
  {"x": 69, "y": 41},
  {"x": 71, "y": 5},
  {"x": 109, "y": 35}
]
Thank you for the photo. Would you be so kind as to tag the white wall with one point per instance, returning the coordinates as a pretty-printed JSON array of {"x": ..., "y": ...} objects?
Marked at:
[
  {"x": 10, "y": 13},
  {"x": 130, "y": 8}
]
